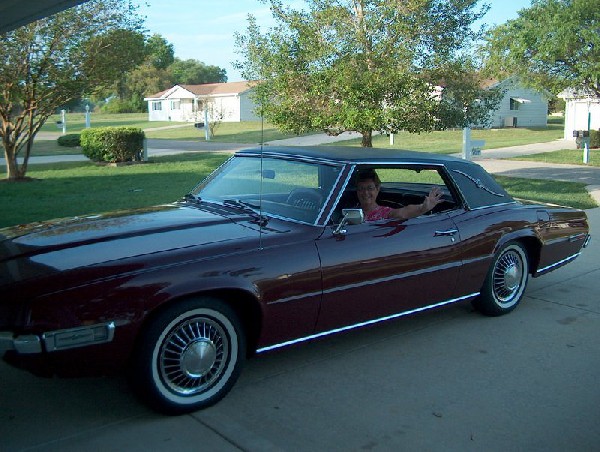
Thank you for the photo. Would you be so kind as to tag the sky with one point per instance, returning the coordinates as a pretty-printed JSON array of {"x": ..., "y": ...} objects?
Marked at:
[{"x": 204, "y": 30}]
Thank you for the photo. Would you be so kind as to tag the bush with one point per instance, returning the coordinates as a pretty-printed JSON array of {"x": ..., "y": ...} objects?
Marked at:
[
  {"x": 70, "y": 140},
  {"x": 112, "y": 144},
  {"x": 595, "y": 139},
  {"x": 134, "y": 105}
]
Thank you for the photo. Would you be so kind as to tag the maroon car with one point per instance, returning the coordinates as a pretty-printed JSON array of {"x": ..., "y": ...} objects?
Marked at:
[{"x": 270, "y": 250}]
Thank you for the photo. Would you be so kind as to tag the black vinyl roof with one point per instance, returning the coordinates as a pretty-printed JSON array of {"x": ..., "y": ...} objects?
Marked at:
[{"x": 353, "y": 155}]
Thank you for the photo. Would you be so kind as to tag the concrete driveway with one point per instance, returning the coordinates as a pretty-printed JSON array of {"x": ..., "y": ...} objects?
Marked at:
[{"x": 450, "y": 380}]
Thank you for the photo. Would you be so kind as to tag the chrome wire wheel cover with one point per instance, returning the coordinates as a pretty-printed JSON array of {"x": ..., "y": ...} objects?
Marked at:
[
  {"x": 508, "y": 277},
  {"x": 193, "y": 356}
]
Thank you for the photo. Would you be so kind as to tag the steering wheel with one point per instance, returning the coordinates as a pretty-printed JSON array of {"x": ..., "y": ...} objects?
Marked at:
[{"x": 305, "y": 198}]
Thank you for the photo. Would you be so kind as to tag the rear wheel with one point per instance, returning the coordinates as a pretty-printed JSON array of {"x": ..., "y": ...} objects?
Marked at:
[
  {"x": 189, "y": 356},
  {"x": 505, "y": 282}
]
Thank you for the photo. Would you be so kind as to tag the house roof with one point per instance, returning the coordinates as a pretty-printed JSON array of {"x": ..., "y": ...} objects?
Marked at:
[
  {"x": 578, "y": 93},
  {"x": 209, "y": 89}
]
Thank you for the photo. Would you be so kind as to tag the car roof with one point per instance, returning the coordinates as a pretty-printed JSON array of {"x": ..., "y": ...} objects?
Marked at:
[{"x": 352, "y": 155}]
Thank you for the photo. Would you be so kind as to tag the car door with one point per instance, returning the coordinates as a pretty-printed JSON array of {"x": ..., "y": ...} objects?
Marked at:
[{"x": 382, "y": 268}]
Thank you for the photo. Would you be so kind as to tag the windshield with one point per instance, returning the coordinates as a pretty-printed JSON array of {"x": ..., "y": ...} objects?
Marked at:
[{"x": 277, "y": 187}]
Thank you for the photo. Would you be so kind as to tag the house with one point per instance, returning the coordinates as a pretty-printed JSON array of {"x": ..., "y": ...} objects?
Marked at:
[
  {"x": 581, "y": 106},
  {"x": 227, "y": 102},
  {"x": 520, "y": 106}
]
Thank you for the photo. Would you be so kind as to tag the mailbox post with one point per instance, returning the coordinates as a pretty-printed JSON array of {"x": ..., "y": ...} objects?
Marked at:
[{"x": 471, "y": 147}]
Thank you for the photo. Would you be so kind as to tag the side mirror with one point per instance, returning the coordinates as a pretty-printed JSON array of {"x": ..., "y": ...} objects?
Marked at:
[
  {"x": 353, "y": 216},
  {"x": 350, "y": 216}
]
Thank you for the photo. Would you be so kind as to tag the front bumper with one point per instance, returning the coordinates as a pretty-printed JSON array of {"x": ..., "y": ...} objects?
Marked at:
[{"x": 57, "y": 340}]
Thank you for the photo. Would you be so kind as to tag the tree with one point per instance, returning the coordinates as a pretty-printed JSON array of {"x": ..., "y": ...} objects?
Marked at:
[
  {"x": 215, "y": 113},
  {"x": 47, "y": 63},
  {"x": 149, "y": 77},
  {"x": 364, "y": 65},
  {"x": 194, "y": 72},
  {"x": 160, "y": 52},
  {"x": 553, "y": 45}
]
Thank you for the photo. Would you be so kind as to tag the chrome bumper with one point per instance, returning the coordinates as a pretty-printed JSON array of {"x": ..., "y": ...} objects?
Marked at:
[{"x": 58, "y": 340}]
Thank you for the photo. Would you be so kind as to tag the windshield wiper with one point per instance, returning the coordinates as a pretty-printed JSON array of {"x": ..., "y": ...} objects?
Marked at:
[
  {"x": 192, "y": 198},
  {"x": 241, "y": 204},
  {"x": 247, "y": 207}
]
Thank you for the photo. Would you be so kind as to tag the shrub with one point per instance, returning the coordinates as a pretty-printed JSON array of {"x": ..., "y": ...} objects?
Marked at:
[
  {"x": 112, "y": 144},
  {"x": 70, "y": 140},
  {"x": 595, "y": 139}
]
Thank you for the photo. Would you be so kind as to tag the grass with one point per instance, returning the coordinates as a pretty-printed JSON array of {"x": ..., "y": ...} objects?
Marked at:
[
  {"x": 249, "y": 132},
  {"x": 252, "y": 132},
  {"x": 76, "y": 121},
  {"x": 80, "y": 188},
  {"x": 450, "y": 141},
  {"x": 565, "y": 157},
  {"x": 573, "y": 194}
]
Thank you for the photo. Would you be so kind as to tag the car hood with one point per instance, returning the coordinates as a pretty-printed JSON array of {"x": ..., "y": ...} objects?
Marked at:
[{"x": 60, "y": 245}]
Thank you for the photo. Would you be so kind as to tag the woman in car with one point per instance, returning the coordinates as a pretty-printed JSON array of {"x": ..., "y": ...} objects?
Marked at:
[{"x": 367, "y": 189}]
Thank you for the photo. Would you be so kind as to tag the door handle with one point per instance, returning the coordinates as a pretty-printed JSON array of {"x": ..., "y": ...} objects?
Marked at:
[{"x": 449, "y": 232}]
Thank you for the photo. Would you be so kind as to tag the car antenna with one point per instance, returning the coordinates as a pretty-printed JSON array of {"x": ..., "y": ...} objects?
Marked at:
[{"x": 260, "y": 192}]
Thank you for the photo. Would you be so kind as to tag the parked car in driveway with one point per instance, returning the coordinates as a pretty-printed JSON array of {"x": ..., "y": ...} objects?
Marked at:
[{"x": 269, "y": 251}]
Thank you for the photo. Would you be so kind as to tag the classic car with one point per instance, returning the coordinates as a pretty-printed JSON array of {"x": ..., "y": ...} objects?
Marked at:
[{"x": 269, "y": 251}]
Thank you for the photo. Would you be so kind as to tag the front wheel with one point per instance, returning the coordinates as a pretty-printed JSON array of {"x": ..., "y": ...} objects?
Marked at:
[
  {"x": 505, "y": 282},
  {"x": 189, "y": 356}
]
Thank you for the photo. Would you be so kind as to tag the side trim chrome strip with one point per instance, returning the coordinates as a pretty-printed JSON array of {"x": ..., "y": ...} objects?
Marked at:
[
  {"x": 367, "y": 323},
  {"x": 558, "y": 264}
]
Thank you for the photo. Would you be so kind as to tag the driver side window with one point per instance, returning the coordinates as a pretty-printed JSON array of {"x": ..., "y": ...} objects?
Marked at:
[{"x": 396, "y": 188}]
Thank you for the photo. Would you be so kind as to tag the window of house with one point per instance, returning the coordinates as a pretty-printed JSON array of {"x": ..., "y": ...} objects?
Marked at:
[
  {"x": 514, "y": 104},
  {"x": 156, "y": 106},
  {"x": 175, "y": 104}
]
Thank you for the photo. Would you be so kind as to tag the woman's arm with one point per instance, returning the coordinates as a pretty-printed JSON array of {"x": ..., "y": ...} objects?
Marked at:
[{"x": 414, "y": 210}]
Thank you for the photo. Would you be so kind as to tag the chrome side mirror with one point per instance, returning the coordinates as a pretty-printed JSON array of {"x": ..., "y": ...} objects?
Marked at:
[{"x": 350, "y": 216}]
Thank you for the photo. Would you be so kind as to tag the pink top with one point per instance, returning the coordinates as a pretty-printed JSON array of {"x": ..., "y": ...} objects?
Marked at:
[{"x": 380, "y": 213}]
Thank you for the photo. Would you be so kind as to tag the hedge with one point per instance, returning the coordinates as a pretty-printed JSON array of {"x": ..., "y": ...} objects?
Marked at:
[
  {"x": 70, "y": 140},
  {"x": 595, "y": 139},
  {"x": 112, "y": 144}
]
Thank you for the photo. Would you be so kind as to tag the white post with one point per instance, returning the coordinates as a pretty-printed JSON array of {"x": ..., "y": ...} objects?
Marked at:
[
  {"x": 206, "y": 129},
  {"x": 586, "y": 152},
  {"x": 391, "y": 139},
  {"x": 87, "y": 117},
  {"x": 466, "y": 143},
  {"x": 63, "y": 118}
]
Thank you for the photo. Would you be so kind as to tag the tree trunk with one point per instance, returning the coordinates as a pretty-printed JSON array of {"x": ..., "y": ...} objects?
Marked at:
[
  {"x": 10, "y": 141},
  {"x": 367, "y": 139},
  {"x": 12, "y": 167}
]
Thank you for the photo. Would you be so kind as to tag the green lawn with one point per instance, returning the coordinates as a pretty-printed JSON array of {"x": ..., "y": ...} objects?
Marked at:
[
  {"x": 76, "y": 121},
  {"x": 67, "y": 189},
  {"x": 569, "y": 157},
  {"x": 253, "y": 132},
  {"x": 571, "y": 194},
  {"x": 249, "y": 132},
  {"x": 450, "y": 141}
]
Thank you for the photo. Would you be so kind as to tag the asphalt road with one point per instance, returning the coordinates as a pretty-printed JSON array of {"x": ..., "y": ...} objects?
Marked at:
[{"x": 449, "y": 380}]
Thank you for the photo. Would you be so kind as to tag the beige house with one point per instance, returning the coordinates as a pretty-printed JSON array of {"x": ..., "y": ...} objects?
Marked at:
[{"x": 227, "y": 102}]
